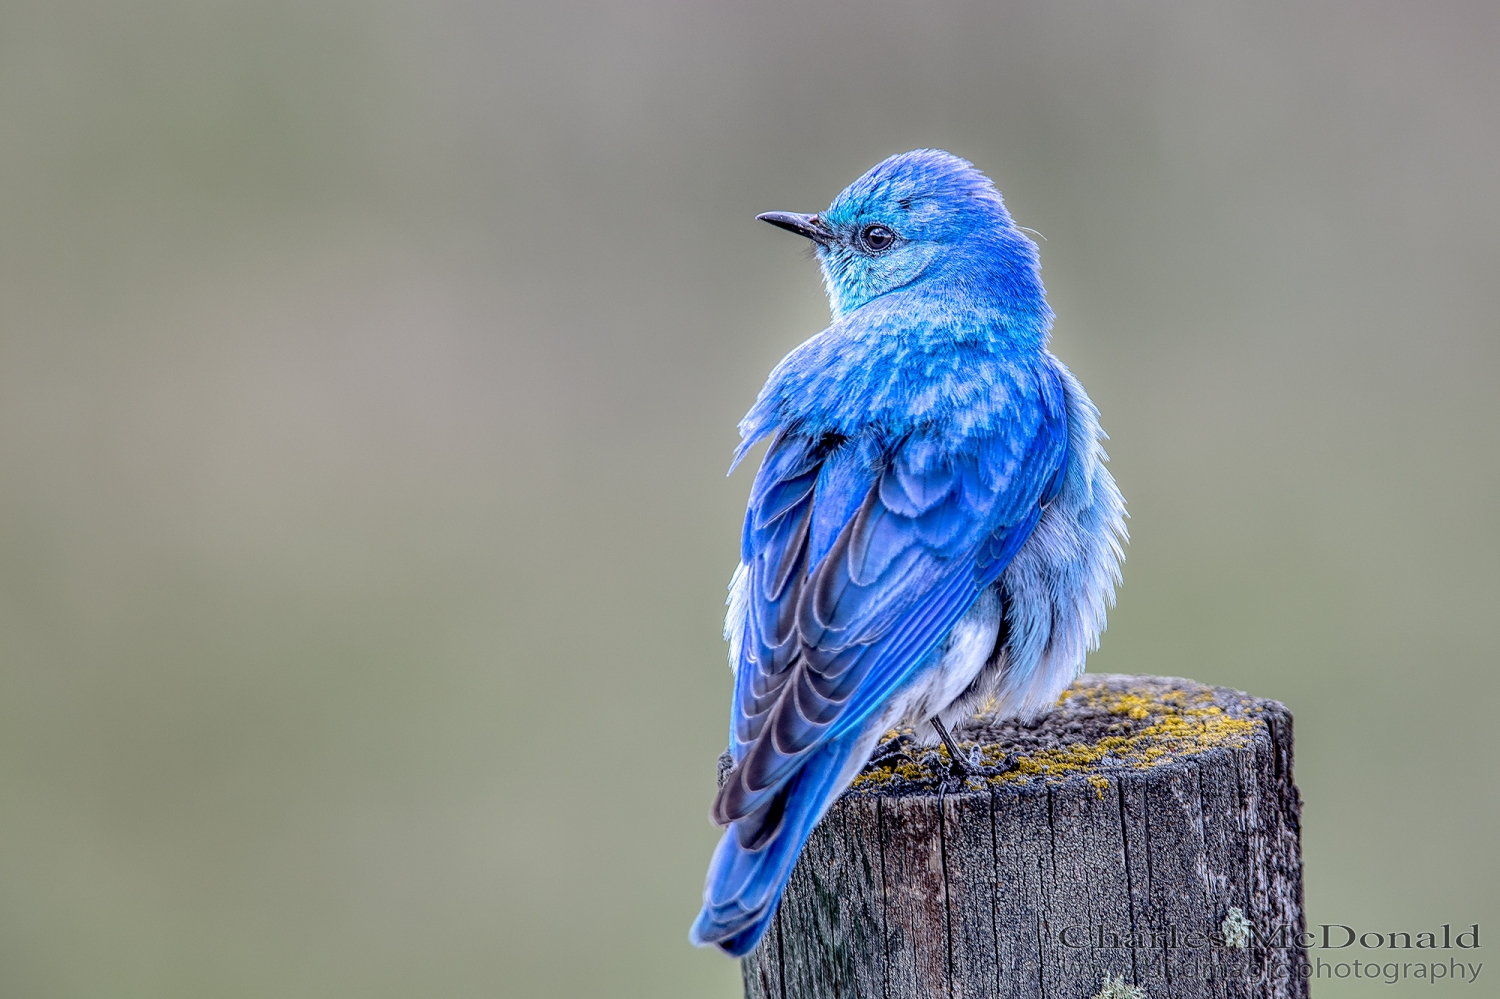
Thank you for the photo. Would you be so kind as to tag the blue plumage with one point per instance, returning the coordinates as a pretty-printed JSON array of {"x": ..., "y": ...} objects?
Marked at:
[{"x": 932, "y": 527}]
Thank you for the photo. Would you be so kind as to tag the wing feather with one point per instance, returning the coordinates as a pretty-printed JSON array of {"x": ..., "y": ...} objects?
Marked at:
[{"x": 861, "y": 557}]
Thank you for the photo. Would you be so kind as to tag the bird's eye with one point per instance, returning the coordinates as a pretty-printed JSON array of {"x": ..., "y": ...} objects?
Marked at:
[{"x": 877, "y": 238}]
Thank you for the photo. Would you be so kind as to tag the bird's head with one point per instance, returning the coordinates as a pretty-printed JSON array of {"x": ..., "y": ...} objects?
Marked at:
[{"x": 922, "y": 215}]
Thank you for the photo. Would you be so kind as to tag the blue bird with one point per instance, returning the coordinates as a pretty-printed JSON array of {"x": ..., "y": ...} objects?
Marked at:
[{"x": 932, "y": 528}]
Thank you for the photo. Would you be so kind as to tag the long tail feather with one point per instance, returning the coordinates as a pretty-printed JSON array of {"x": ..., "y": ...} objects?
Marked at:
[{"x": 744, "y": 886}]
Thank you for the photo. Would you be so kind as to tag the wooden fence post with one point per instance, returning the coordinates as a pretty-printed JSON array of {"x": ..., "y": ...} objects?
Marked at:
[{"x": 1141, "y": 840}]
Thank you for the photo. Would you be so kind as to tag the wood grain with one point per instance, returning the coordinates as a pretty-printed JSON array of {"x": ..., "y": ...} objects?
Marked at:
[{"x": 1111, "y": 838}]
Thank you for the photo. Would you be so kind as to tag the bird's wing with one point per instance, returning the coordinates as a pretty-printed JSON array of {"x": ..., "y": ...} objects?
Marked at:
[{"x": 859, "y": 561}]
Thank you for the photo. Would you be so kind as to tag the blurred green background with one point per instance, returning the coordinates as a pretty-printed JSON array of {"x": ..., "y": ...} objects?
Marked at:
[{"x": 368, "y": 374}]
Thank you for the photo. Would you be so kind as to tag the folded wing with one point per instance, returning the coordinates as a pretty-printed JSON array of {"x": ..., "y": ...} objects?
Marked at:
[{"x": 861, "y": 555}]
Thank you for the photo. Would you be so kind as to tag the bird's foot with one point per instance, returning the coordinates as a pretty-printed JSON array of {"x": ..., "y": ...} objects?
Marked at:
[
  {"x": 966, "y": 768},
  {"x": 891, "y": 751},
  {"x": 960, "y": 765}
]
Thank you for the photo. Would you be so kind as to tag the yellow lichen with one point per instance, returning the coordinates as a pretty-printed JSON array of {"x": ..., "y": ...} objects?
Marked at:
[{"x": 1154, "y": 729}]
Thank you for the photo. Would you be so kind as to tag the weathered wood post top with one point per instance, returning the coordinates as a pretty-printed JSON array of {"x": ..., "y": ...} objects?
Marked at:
[{"x": 1141, "y": 840}]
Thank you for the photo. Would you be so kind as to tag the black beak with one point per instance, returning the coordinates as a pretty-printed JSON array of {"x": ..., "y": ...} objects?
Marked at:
[{"x": 803, "y": 225}]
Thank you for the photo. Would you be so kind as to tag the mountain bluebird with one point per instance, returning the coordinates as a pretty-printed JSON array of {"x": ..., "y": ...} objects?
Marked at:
[{"x": 932, "y": 528}]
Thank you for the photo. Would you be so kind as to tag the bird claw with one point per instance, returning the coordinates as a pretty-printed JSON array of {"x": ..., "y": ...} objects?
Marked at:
[
  {"x": 885, "y": 759},
  {"x": 895, "y": 749},
  {"x": 961, "y": 767},
  {"x": 960, "y": 773},
  {"x": 958, "y": 766}
]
